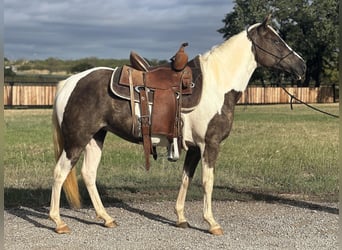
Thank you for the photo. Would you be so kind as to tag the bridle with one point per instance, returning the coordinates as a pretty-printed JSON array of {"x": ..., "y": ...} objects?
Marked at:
[{"x": 255, "y": 46}]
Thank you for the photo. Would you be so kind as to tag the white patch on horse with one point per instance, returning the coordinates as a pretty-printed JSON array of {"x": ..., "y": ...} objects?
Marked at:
[
  {"x": 65, "y": 88},
  {"x": 226, "y": 67}
]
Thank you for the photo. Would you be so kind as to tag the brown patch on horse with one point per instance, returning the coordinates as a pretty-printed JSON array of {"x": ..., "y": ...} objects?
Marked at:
[
  {"x": 219, "y": 127},
  {"x": 91, "y": 96},
  {"x": 193, "y": 156}
]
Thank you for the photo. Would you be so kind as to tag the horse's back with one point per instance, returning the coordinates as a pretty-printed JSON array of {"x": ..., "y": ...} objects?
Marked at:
[{"x": 67, "y": 87}]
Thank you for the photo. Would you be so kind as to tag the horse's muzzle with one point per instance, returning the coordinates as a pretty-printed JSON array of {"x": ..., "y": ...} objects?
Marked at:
[
  {"x": 302, "y": 71},
  {"x": 298, "y": 69}
]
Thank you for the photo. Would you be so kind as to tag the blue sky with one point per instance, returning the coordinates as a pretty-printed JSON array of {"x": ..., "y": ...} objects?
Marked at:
[{"x": 73, "y": 29}]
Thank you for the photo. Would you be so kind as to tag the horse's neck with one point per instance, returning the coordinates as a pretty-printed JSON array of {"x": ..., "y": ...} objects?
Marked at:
[{"x": 230, "y": 65}]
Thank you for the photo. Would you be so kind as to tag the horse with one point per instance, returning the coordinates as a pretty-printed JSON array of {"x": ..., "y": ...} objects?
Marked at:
[{"x": 85, "y": 110}]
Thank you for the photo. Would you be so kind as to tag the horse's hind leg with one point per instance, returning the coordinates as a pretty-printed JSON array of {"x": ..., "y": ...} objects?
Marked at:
[
  {"x": 191, "y": 160},
  {"x": 61, "y": 172},
  {"x": 92, "y": 156}
]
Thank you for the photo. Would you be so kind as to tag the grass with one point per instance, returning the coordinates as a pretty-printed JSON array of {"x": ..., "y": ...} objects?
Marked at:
[
  {"x": 271, "y": 152},
  {"x": 283, "y": 151}
]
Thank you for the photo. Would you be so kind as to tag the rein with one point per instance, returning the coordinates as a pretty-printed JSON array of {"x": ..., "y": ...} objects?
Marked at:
[{"x": 306, "y": 104}]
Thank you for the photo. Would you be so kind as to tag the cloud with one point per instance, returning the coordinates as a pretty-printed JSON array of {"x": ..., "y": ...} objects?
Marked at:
[{"x": 110, "y": 29}]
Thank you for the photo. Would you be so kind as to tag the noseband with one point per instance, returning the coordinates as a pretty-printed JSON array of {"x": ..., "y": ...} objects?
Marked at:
[{"x": 255, "y": 45}]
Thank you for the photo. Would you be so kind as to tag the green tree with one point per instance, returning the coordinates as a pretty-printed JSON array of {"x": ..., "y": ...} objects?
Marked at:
[
  {"x": 81, "y": 67},
  {"x": 308, "y": 26},
  {"x": 8, "y": 72}
]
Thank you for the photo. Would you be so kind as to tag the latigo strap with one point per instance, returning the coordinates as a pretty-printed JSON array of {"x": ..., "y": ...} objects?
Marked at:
[{"x": 145, "y": 126}]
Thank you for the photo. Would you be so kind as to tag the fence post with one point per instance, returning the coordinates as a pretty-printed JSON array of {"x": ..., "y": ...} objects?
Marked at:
[
  {"x": 334, "y": 92},
  {"x": 10, "y": 98}
]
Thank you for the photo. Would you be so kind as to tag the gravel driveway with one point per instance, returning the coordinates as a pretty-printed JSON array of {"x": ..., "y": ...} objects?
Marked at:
[{"x": 247, "y": 225}]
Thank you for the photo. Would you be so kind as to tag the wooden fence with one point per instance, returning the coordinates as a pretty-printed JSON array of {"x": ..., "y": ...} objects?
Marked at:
[
  {"x": 276, "y": 95},
  {"x": 26, "y": 95},
  {"x": 42, "y": 95}
]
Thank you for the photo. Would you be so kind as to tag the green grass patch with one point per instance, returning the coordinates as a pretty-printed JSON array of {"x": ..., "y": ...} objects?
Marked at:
[
  {"x": 276, "y": 150},
  {"x": 272, "y": 152}
]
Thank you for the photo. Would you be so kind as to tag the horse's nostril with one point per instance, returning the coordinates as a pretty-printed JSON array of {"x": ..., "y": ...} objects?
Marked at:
[{"x": 304, "y": 68}]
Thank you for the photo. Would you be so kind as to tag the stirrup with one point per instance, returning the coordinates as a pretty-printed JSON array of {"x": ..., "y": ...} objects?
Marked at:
[{"x": 173, "y": 152}]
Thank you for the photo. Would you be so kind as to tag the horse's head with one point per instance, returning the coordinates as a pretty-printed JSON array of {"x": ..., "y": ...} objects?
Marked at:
[{"x": 271, "y": 50}]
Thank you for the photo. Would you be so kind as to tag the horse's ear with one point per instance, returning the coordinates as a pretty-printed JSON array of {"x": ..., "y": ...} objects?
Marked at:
[
  {"x": 266, "y": 20},
  {"x": 263, "y": 26}
]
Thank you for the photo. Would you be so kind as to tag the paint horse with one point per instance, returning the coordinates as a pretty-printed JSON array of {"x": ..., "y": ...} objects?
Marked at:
[{"x": 85, "y": 110}]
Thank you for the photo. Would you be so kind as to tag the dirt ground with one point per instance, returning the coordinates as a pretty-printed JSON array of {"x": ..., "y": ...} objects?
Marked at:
[{"x": 246, "y": 225}]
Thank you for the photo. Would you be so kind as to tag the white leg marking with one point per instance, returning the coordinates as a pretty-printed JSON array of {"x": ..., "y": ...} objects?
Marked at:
[
  {"x": 208, "y": 183},
  {"x": 179, "y": 208},
  {"x": 61, "y": 172},
  {"x": 92, "y": 156}
]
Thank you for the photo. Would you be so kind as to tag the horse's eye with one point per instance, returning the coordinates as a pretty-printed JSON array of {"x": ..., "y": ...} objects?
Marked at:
[{"x": 276, "y": 41}]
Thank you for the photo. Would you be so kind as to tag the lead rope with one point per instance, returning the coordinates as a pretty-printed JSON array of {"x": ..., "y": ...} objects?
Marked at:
[{"x": 306, "y": 104}]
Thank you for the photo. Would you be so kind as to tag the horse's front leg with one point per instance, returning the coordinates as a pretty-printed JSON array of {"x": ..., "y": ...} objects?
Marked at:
[
  {"x": 208, "y": 183},
  {"x": 192, "y": 158},
  {"x": 180, "y": 203},
  {"x": 208, "y": 166}
]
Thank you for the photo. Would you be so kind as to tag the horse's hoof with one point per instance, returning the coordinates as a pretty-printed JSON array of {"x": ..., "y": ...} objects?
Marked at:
[
  {"x": 216, "y": 231},
  {"x": 111, "y": 224},
  {"x": 183, "y": 225},
  {"x": 63, "y": 229}
]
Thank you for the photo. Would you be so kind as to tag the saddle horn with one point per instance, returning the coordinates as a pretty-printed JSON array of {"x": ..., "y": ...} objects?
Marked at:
[{"x": 180, "y": 59}]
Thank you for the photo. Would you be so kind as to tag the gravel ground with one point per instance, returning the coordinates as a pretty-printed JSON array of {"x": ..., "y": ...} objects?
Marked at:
[{"x": 246, "y": 225}]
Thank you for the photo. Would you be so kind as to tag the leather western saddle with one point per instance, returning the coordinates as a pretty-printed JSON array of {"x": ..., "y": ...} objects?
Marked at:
[{"x": 158, "y": 91}]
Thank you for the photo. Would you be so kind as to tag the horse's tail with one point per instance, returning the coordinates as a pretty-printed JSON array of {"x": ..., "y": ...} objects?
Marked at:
[
  {"x": 70, "y": 185},
  {"x": 57, "y": 136}
]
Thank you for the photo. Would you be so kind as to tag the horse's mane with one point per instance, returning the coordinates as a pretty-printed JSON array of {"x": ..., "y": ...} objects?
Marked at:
[
  {"x": 222, "y": 64},
  {"x": 217, "y": 49}
]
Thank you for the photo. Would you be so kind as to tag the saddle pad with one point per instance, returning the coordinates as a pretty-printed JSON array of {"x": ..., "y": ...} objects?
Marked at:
[
  {"x": 188, "y": 101},
  {"x": 122, "y": 91}
]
